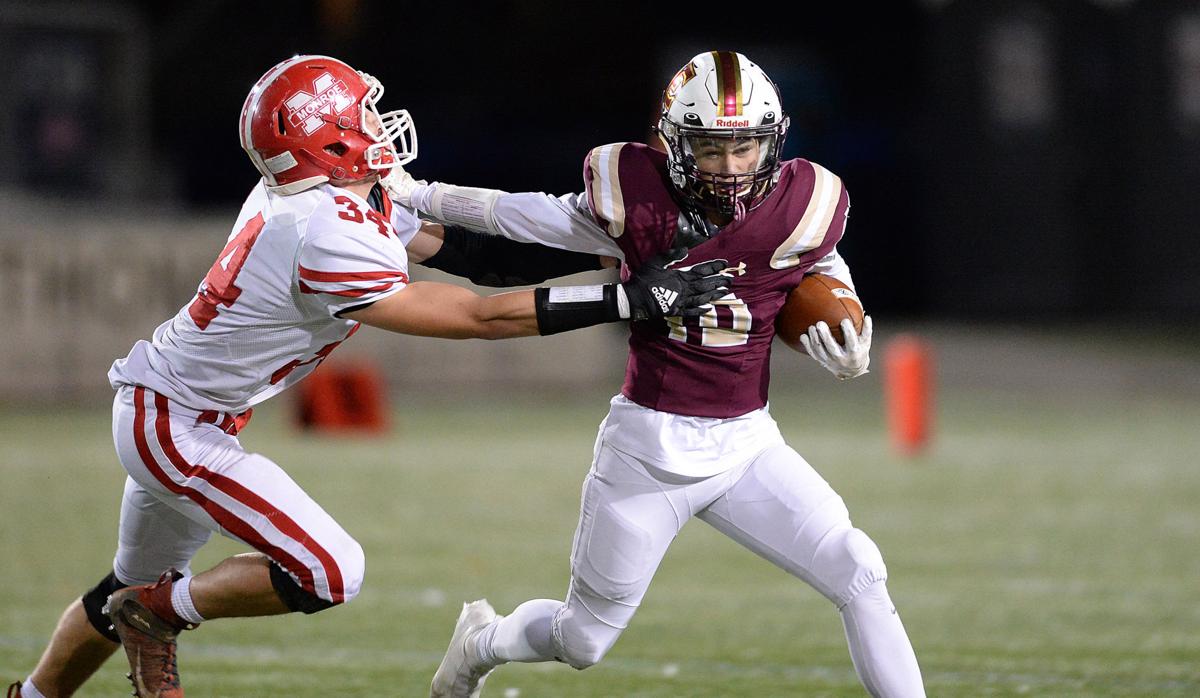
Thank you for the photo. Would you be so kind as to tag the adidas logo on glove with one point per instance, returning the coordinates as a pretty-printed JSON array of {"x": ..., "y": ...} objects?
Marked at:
[{"x": 664, "y": 296}]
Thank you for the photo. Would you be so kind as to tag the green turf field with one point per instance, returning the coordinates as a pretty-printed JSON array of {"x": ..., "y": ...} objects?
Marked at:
[{"x": 1044, "y": 547}]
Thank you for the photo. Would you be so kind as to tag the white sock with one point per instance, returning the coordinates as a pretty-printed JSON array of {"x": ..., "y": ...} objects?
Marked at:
[
  {"x": 28, "y": 690},
  {"x": 882, "y": 655},
  {"x": 181, "y": 601},
  {"x": 483, "y": 645},
  {"x": 523, "y": 635}
]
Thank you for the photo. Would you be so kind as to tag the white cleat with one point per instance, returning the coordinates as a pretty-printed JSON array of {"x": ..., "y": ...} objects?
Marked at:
[{"x": 461, "y": 674}]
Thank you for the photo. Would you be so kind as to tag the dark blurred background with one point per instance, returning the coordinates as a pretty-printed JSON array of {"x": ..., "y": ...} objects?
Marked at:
[{"x": 1006, "y": 160}]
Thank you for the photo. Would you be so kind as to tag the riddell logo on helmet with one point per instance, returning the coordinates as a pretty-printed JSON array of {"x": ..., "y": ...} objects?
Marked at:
[
  {"x": 732, "y": 123},
  {"x": 304, "y": 109}
]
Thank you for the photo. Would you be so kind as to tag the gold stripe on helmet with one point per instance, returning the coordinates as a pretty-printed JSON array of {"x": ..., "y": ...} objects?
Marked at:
[{"x": 729, "y": 82}]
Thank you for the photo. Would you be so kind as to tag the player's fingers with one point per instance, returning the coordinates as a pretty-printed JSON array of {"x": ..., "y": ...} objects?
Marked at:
[
  {"x": 849, "y": 336},
  {"x": 710, "y": 268},
  {"x": 866, "y": 333},
  {"x": 816, "y": 348},
  {"x": 709, "y": 283},
  {"x": 700, "y": 303},
  {"x": 710, "y": 296},
  {"x": 813, "y": 337},
  {"x": 831, "y": 344}
]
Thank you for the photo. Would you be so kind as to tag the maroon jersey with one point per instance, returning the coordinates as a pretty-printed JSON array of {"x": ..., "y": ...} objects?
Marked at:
[{"x": 718, "y": 364}]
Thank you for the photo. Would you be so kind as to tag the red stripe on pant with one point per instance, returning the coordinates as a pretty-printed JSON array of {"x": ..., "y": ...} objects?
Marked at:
[{"x": 224, "y": 517}]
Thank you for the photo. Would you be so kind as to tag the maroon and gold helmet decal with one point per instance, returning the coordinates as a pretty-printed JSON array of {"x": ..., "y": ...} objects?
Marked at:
[
  {"x": 681, "y": 78},
  {"x": 729, "y": 83}
]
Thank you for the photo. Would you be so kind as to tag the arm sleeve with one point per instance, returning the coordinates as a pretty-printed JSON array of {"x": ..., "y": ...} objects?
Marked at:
[
  {"x": 489, "y": 260},
  {"x": 564, "y": 222},
  {"x": 346, "y": 266}
]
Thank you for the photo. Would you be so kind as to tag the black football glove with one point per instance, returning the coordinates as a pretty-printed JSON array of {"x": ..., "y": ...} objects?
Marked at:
[{"x": 657, "y": 291}]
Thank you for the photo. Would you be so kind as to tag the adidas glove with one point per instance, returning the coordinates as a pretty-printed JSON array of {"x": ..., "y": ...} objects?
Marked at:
[{"x": 658, "y": 291}]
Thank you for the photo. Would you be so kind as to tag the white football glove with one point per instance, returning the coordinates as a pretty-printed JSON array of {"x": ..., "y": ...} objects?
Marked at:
[
  {"x": 405, "y": 190},
  {"x": 846, "y": 362}
]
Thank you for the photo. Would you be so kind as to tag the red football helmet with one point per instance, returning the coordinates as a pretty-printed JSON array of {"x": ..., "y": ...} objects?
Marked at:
[{"x": 309, "y": 120}]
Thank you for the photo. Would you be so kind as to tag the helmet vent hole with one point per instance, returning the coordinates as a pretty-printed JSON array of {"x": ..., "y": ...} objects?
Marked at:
[
  {"x": 336, "y": 149},
  {"x": 279, "y": 122}
]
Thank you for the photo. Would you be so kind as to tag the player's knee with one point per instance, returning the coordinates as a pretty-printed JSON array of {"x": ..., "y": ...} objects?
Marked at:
[
  {"x": 93, "y": 605},
  {"x": 301, "y": 600},
  {"x": 580, "y": 650},
  {"x": 353, "y": 565},
  {"x": 580, "y": 639},
  {"x": 583, "y": 657},
  {"x": 848, "y": 562}
]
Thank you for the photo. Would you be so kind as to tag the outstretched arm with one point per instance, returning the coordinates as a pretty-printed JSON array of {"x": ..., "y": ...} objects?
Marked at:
[
  {"x": 431, "y": 309},
  {"x": 563, "y": 222}
]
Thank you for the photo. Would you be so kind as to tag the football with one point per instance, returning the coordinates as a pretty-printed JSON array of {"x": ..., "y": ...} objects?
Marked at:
[{"x": 818, "y": 297}]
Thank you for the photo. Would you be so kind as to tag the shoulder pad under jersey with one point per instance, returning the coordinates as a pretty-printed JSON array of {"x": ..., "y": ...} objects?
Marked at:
[
  {"x": 824, "y": 218},
  {"x": 621, "y": 176}
]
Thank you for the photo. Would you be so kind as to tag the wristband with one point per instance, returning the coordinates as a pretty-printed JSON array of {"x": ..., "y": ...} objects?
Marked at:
[{"x": 565, "y": 308}]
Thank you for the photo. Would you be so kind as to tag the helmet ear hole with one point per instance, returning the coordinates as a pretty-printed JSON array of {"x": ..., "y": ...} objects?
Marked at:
[{"x": 336, "y": 149}]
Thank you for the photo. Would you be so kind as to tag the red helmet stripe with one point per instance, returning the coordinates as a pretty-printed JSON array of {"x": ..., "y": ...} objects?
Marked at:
[{"x": 729, "y": 83}]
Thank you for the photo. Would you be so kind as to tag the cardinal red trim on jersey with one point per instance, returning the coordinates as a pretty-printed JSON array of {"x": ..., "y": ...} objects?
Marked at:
[
  {"x": 337, "y": 276},
  {"x": 351, "y": 293},
  {"x": 227, "y": 519},
  {"x": 326, "y": 277}
]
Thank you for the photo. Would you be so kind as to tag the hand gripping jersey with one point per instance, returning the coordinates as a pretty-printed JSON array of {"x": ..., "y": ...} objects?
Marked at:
[
  {"x": 266, "y": 313},
  {"x": 716, "y": 365}
]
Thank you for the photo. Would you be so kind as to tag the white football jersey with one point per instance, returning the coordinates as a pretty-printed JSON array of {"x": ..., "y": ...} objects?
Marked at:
[{"x": 267, "y": 311}]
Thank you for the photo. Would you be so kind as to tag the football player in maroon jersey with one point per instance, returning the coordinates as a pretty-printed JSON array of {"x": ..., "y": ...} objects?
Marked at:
[{"x": 689, "y": 435}]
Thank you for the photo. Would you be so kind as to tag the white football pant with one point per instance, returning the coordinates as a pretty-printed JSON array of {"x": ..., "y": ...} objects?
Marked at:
[
  {"x": 188, "y": 478},
  {"x": 775, "y": 504}
]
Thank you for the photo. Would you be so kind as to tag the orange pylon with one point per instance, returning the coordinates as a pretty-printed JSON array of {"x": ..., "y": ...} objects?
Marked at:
[{"x": 908, "y": 392}]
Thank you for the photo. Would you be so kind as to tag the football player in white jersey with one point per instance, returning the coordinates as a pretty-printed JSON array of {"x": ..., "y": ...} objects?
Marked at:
[
  {"x": 317, "y": 250},
  {"x": 690, "y": 435}
]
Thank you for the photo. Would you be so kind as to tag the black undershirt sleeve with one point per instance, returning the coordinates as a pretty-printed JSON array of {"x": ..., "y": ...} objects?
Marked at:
[{"x": 491, "y": 260}]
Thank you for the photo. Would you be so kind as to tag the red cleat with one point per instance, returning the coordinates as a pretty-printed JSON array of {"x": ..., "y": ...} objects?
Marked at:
[
  {"x": 14, "y": 691},
  {"x": 148, "y": 625}
]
